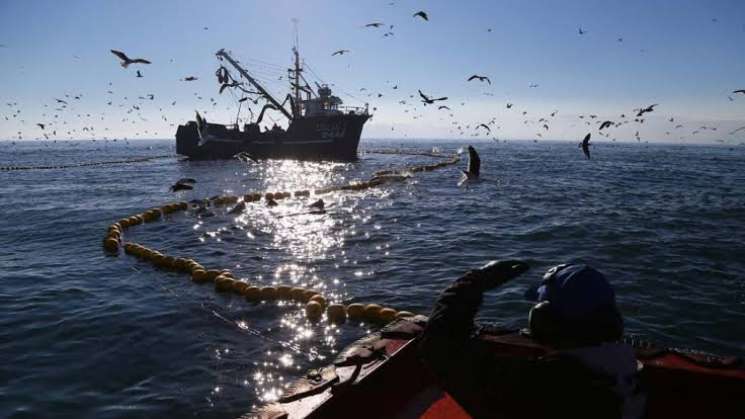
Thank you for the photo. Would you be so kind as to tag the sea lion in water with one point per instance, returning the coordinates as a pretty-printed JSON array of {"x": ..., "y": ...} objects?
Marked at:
[
  {"x": 181, "y": 187},
  {"x": 318, "y": 207},
  {"x": 238, "y": 208},
  {"x": 585, "y": 145},
  {"x": 474, "y": 166}
]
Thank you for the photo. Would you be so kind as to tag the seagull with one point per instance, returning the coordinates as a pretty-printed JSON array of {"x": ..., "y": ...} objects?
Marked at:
[
  {"x": 421, "y": 14},
  {"x": 739, "y": 91},
  {"x": 340, "y": 52},
  {"x": 485, "y": 126},
  {"x": 642, "y": 111},
  {"x": 605, "y": 124},
  {"x": 533, "y": 85},
  {"x": 245, "y": 157},
  {"x": 581, "y": 31},
  {"x": 139, "y": 75},
  {"x": 374, "y": 25},
  {"x": 585, "y": 145},
  {"x": 190, "y": 78},
  {"x": 126, "y": 61},
  {"x": 40, "y": 125},
  {"x": 441, "y": 107},
  {"x": 480, "y": 78},
  {"x": 427, "y": 100},
  {"x": 61, "y": 101}
]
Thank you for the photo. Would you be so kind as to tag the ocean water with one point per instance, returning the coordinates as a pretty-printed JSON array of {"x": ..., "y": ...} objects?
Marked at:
[{"x": 86, "y": 334}]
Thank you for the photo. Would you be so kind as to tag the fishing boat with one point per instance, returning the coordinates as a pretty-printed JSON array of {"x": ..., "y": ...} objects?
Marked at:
[
  {"x": 319, "y": 126},
  {"x": 381, "y": 376}
]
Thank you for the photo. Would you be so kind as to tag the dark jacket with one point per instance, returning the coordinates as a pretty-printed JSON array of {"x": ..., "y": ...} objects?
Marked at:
[{"x": 588, "y": 382}]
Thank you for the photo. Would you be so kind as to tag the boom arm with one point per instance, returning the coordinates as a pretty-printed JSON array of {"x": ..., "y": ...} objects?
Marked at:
[{"x": 254, "y": 83}]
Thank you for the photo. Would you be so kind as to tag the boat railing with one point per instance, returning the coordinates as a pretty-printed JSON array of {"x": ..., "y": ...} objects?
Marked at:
[{"x": 353, "y": 109}]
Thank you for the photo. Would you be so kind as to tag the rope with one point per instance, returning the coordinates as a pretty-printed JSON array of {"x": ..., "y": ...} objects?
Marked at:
[{"x": 100, "y": 163}]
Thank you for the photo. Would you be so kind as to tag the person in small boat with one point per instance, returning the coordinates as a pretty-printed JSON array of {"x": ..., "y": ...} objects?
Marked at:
[{"x": 587, "y": 372}]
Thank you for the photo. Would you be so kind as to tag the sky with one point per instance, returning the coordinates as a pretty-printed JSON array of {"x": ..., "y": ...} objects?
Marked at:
[{"x": 686, "y": 56}]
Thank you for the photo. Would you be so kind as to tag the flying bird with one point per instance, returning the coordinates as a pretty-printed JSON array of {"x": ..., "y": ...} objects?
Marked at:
[
  {"x": 441, "y": 107},
  {"x": 428, "y": 100},
  {"x": 421, "y": 14},
  {"x": 340, "y": 52},
  {"x": 139, "y": 75},
  {"x": 509, "y": 106},
  {"x": 585, "y": 145},
  {"x": 485, "y": 127},
  {"x": 739, "y": 91},
  {"x": 40, "y": 125},
  {"x": 374, "y": 25},
  {"x": 642, "y": 111},
  {"x": 190, "y": 78},
  {"x": 581, "y": 31},
  {"x": 605, "y": 124},
  {"x": 126, "y": 61},
  {"x": 479, "y": 78}
]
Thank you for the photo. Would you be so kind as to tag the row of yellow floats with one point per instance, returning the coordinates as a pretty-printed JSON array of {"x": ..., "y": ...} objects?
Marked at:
[{"x": 315, "y": 303}]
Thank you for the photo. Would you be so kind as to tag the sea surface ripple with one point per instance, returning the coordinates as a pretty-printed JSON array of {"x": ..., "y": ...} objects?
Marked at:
[{"x": 84, "y": 334}]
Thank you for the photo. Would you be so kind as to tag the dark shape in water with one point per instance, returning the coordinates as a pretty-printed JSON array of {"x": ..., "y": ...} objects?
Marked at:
[{"x": 319, "y": 127}]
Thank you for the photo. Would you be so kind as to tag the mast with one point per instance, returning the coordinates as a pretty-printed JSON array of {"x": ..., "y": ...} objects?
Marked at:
[
  {"x": 296, "y": 87},
  {"x": 254, "y": 83}
]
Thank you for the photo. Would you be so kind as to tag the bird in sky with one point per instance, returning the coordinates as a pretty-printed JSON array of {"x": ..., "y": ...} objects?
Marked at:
[
  {"x": 479, "y": 78},
  {"x": 126, "y": 61},
  {"x": 441, "y": 107},
  {"x": 340, "y": 52},
  {"x": 488, "y": 130},
  {"x": 40, "y": 125},
  {"x": 139, "y": 75},
  {"x": 422, "y": 14},
  {"x": 428, "y": 100},
  {"x": 581, "y": 31},
  {"x": 509, "y": 106},
  {"x": 190, "y": 78},
  {"x": 642, "y": 111},
  {"x": 739, "y": 91},
  {"x": 605, "y": 124},
  {"x": 374, "y": 25}
]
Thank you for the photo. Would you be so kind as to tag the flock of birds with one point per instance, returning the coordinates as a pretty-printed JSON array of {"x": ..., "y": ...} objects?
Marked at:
[{"x": 54, "y": 127}]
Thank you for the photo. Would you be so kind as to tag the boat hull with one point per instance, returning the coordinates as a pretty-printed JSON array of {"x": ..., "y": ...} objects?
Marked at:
[
  {"x": 397, "y": 384},
  {"x": 310, "y": 138}
]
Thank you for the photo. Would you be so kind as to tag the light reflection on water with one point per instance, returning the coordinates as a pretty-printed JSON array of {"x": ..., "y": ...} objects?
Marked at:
[{"x": 307, "y": 238}]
